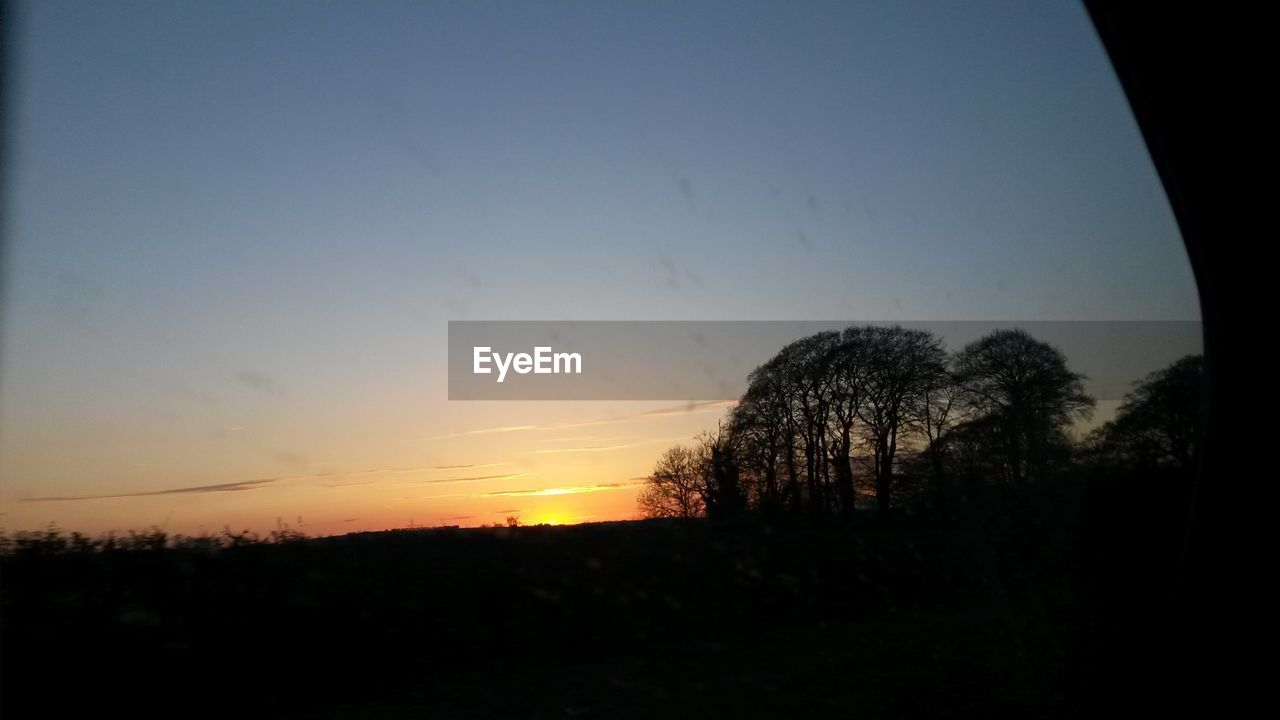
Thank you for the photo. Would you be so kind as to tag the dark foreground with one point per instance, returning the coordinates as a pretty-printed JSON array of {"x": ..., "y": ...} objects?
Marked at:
[{"x": 1026, "y": 607}]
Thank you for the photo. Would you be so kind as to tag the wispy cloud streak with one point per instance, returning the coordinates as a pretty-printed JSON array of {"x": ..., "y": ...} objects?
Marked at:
[
  {"x": 192, "y": 490},
  {"x": 488, "y": 431},
  {"x": 588, "y": 449},
  {"x": 476, "y": 478},
  {"x": 573, "y": 490},
  {"x": 683, "y": 409},
  {"x": 246, "y": 485}
]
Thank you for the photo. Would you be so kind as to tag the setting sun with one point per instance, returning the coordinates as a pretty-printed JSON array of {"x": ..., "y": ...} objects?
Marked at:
[{"x": 556, "y": 517}]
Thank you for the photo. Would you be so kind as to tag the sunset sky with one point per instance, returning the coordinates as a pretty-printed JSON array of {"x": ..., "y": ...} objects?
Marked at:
[{"x": 236, "y": 231}]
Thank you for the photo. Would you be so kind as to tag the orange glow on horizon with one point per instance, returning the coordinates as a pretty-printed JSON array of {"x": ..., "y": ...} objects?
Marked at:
[{"x": 438, "y": 473}]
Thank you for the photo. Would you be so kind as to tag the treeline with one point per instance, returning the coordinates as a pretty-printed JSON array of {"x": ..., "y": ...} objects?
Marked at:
[
  {"x": 885, "y": 415},
  {"x": 54, "y": 541}
]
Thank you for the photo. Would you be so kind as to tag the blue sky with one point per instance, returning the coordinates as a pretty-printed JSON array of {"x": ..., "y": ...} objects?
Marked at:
[{"x": 221, "y": 211}]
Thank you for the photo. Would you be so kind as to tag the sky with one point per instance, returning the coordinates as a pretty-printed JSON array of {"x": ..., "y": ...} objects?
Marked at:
[{"x": 236, "y": 231}]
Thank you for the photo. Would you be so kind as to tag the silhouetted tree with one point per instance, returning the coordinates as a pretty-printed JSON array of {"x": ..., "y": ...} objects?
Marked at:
[
  {"x": 999, "y": 408},
  {"x": 1022, "y": 397},
  {"x": 940, "y": 413},
  {"x": 762, "y": 427},
  {"x": 803, "y": 364},
  {"x": 941, "y": 410},
  {"x": 819, "y": 396},
  {"x": 846, "y": 382},
  {"x": 799, "y": 378},
  {"x": 901, "y": 367},
  {"x": 723, "y": 497},
  {"x": 676, "y": 487},
  {"x": 1160, "y": 421}
]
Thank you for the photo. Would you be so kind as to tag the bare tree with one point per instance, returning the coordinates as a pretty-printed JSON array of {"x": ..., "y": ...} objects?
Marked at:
[
  {"x": 716, "y": 453},
  {"x": 819, "y": 394},
  {"x": 804, "y": 364},
  {"x": 901, "y": 366},
  {"x": 676, "y": 486},
  {"x": 1160, "y": 421},
  {"x": 846, "y": 384},
  {"x": 1022, "y": 396},
  {"x": 761, "y": 424},
  {"x": 998, "y": 409}
]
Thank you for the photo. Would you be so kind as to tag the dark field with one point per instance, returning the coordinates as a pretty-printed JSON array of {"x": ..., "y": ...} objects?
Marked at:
[{"x": 1009, "y": 607}]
